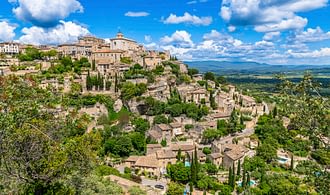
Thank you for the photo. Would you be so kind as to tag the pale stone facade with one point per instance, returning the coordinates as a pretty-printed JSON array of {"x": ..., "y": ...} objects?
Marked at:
[{"x": 9, "y": 48}]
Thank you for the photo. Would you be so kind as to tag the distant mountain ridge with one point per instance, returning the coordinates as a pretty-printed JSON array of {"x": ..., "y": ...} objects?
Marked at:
[{"x": 250, "y": 67}]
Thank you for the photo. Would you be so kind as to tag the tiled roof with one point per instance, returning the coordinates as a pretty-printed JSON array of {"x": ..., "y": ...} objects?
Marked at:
[
  {"x": 154, "y": 146},
  {"x": 132, "y": 159},
  {"x": 176, "y": 125},
  {"x": 164, "y": 127},
  {"x": 220, "y": 115},
  {"x": 161, "y": 154},
  {"x": 147, "y": 161},
  {"x": 109, "y": 51},
  {"x": 234, "y": 151},
  {"x": 200, "y": 154},
  {"x": 183, "y": 147},
  {"x": 154, "y": 134}
]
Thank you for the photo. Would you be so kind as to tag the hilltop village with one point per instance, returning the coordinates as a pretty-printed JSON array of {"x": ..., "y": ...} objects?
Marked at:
[{"x": 156, "y": 115}]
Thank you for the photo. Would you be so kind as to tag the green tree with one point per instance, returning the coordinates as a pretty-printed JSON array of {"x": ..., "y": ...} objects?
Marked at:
[
  {"x": 244, "y": 179},
  {"x": 209, "y": 76},
  {"x": 192, "y": 71},
  {"x": 207, "y": 150},
  {"x": 160, "y": 119},
  {"x": 225, "y": 190},
  {"x": 179, "y": 172},
  {"x": 36, "y": 155},
  {"x": 174, "y": 189},
  {"x": 138, "y": 141},
  {"x": 141, "y": 125},
  {"x": 135, "y": 190},
  {"x": 266, "y": 152},
  {"x": 179, "y": 155},
  {"x": 163, "y": 143},
  {"x": 303, "y": 99},
  {"x": 239, "y": 168},
  {"x": 121, "y": 146}
]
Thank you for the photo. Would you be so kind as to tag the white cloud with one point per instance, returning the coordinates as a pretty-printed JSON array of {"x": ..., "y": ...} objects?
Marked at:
[
  {"x": 188, "y": 19},
  {"x": 231, "y": 28},
  {"x": 191, "y": 2},
  {"x": 288, "y": 24},
  {"x": 323, "y": 52},
  {"x": 268, "y": 15},
  {"x": 310, "y": 35},
  {"x": 195, "y": 1},
  {"x": 271, "y": 36},
  {"x": 65, "y": 32},
  {"x": 178, "y": 39},
  {"x": 136, "y": 14},
  {"x": 148, "y": 38},
  {"x": 46, "y": 13},
  {"x": 6, "y": 31},
  {"x": 151, "y": 46}
]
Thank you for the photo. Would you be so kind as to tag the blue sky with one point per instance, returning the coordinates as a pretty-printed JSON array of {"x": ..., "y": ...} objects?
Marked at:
[{"x": 266, "y": 31}]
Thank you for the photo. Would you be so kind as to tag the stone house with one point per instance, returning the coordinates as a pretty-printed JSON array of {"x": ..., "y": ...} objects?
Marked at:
[
  {"x": 130, "y": 161},
  {"x": 153, "y": 148},
  {"x": 216, "y": 158},
  {"x": 184, "y": 147},
  {"x": 198, "y": 96},
  {"x": 148, "y": 164},
  {"x": 198, "y": 77},
  {"x": 155, "y": 135},
  {"x": 152, "y": 60},
  {"x": 165, "y": 130},
  {"x": 233, "y": 153},
  {"x": 9, "y": 48},
  {"x": 248, "y": 101},
  {"x": 177, "y": 129},
  {"x": 200, "y": 155},
  {"x": 165, "y": 157}
]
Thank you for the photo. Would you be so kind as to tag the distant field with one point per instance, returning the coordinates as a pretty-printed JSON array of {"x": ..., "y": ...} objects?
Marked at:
[{"x": 267, "y": 83}]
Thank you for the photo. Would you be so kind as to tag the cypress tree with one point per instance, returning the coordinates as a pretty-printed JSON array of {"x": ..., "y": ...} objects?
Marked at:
[
  {"x": 196, "y": 161},
  {"x": 230, "y": 176},
  {"x": 116, "y": 83},
  {"x": 178, "y": 156},
  {"x": 248, "y": 180},
  {"x": 239, "y": 168},
  {"x": 275, "y": 112},
  {"x": 233, "y": 168},
  {"x": 191, "y": 187},
  {"x": 243, "y": 179},
  {"x": 193, "y": 171},
  {"x": 93, "y": 65},
  {"x": 233, "y": 178},
  {"x": 292, "y": 163}
]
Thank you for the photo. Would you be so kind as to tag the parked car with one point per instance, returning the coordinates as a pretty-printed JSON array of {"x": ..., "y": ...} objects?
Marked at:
[{"x": 159, "y": 186}]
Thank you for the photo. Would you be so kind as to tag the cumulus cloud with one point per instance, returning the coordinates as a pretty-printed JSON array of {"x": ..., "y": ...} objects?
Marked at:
[
  {"x": 268, "y": 15},
  {"x": 45, "y": 13},
  {"x": 231, "y": 28},
  {"x": 6, "y": 31},
  {"x": 195, "y": 1},
  {"x": 180, "y": 39},
  {"x": 219, "y": 46},
  {"x": 191, "y": 2},
  {"x": 148, "y": 38},
  {"x": 65, "y": 32},
  {"x": 310, "y": 35},
  {"x": 271, "y": 36},
  {"x": 188, "y": 19},
  {"x": 323, "y": 52},
  {"x": 136, "y": 14}
]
